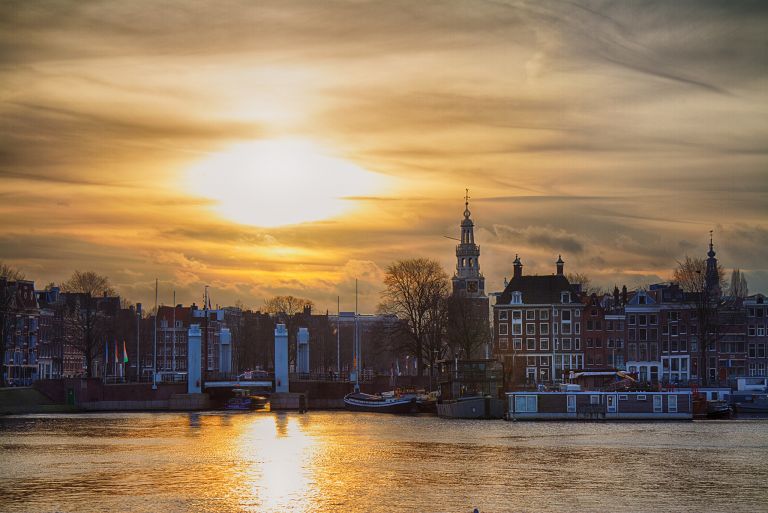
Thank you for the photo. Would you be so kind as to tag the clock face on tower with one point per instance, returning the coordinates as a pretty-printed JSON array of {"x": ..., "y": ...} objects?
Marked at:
[{"x": 472, "y": 287}]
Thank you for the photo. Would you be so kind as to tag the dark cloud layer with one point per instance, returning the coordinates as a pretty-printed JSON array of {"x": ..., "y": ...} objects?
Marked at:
[{"x": 616, "y": 133}]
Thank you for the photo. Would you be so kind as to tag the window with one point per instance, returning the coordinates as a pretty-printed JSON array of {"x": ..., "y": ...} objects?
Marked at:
[
  {"x": 566, "y": 329},
  {"x": 544, "y": 315},
  {"x": 623, "y": 397},
  {"x": 530, "y": 328},
  {"x": 530, "y": 344},
  {"x": 517, "y": 298},
  {"x": 642, "y": 319},
  {"x": 657, "y": 403},
  {"x": 751, "y": 331},
  {"x": 594, "y": 399},
  {"x": 577, "y": 313},
  {"x": 503, "y": 315},
  {"x": 567, "y": 344},
  {"x": 544, "y": 361},
  {"x": 751, "y": 311},
  {"x": 577, "y": 343},
  {"x": 578, "y": 327},
  {"x": 544, "y": 328},
  {"x": 530, "y": 315},
  {"x": 544, "y": 343},
  {"x": 525, "y": 403},
  {"x": 554, "y": 328},
  {"x": 517, "y": 315},
  {"x": 565, "y": 297},
  {"x": 518, "y": 344},
  {"x": 641, "y": 398},
  {"x": 590, "y": 325},
  {"x": 598, "y": 342},
  {"x": 530, "y": 361},
  {"x": 571, "y": 399},
  {"x": 503, "y": 328},
  {"x": 672, "y": 404},
  {"x": 632, "y": 320},
  {"x": 566, "y": 316},
  {"x": 589, "y": 342},
  {"x": 503, "y": 343},
  {"x": 760, "y": 331},
  {"x": 517, "y": 329},
  {"x": 653, "y": 320}
]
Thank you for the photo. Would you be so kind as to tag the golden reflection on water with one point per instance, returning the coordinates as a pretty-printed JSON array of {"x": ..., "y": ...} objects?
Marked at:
[
  {"x": 278, "y": 454},
  {"x": 219, "y": 462}
]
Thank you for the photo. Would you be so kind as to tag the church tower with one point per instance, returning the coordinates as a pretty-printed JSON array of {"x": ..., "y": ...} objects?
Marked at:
[
  {"x": 468, "y": 281},
  {"x": 712, "y": 278}
]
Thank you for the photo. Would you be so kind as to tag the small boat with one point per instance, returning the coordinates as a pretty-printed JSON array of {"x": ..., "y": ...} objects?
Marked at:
[
  {"x": 243, "y": 400},
  {"x": 751, "y": 403},
  {"x": 718, "y": 410},
  {"x": 358, "y": 401}
]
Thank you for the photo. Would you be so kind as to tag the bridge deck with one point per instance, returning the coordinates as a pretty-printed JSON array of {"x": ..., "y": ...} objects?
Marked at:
[{"x": 232, "y": 384}]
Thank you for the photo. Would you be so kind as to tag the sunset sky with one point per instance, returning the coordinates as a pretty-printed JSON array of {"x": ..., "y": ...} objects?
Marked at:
[{"x": 289, "y": 147}]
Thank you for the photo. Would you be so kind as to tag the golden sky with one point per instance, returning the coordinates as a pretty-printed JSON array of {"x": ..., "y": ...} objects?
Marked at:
[{"x": 176, "y": 139}]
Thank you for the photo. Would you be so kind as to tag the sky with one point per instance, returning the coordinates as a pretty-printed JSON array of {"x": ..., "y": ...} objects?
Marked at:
[{"x": 266, "y": 148}]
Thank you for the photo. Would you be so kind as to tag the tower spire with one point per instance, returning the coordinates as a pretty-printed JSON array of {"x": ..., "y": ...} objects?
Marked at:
[{"x": 468, "y": 279}]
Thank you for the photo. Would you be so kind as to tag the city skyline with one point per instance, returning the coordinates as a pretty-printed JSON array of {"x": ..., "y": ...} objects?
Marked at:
[{"x": 175, "y": 142}]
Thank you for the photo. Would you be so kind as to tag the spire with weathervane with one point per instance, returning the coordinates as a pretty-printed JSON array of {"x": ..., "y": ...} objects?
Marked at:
[
  {"x": 712, "y": 280},
  {"x": 468, "y": 281}
]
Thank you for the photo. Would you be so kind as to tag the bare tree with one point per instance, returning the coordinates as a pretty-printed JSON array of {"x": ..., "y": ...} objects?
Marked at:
[
  {"x": 586, "y": 283},
  {"x": 468, "y": 329},
  {"x": 415, "y": 291},
  {"x": 84, "y": 322},
  {"x": 704, "y": 295},
  {"x": 8, "y": 275},
  {"x": 286, "y": 309},
  {"x": 739, "y": 286}
]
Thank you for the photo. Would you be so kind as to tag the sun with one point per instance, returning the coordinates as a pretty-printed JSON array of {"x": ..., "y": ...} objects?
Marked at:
[{"x": 279, "y": 182}]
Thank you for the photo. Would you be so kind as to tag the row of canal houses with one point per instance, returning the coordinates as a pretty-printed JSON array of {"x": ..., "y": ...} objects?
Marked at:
[{"x": 547, "y": 330}]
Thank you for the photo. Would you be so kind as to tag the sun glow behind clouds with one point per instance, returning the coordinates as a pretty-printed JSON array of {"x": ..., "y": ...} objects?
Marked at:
[{"x": 280, "y": 182}]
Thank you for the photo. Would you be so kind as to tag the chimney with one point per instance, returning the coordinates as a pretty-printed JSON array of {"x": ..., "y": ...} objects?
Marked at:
[
  {"x": 559, "y": 265},
  {"x": 518, "y": 268}
]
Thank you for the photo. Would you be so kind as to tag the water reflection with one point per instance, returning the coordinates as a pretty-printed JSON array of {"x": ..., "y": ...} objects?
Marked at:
[{"x": 337, "y": 461}]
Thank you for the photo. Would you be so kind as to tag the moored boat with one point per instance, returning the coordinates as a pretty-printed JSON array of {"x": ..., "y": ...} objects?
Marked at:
[
  {"x": 718, "y": 410},
  {"x": 750, "y": 403},
  {"x": 358, "y": 401},
  {"x": 244, "y": 401}
]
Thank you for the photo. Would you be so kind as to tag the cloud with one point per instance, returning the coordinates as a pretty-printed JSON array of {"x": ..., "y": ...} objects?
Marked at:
[{"x": 617, "y": 133}]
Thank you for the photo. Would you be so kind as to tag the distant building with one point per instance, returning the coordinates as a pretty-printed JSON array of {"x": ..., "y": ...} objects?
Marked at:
[
  {"x": 537, "y": 331},
  {"x": 20, "y": 316}
]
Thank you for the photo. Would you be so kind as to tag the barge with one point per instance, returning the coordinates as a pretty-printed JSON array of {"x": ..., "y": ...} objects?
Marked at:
[{"x": 590, "y": 405}]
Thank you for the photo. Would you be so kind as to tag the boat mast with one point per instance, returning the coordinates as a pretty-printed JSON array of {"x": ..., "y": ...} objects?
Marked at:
[{"x": 357, "y": 346}]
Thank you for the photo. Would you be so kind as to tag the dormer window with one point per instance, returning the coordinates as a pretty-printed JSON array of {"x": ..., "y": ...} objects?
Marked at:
[
  {"x": 517, "y": 298},
  {"x": 565, "y": 297},
  {"x": 641, "y": 299}
]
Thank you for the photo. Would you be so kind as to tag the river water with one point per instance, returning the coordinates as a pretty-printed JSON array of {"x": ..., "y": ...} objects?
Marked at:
[{"x": 340, "y": 461}]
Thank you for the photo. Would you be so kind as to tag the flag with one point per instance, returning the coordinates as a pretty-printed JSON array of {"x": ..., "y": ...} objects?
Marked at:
[
  {"x": 116, "y": 358},
  {"x": 125, "y": 353},
  {"x": 106, "y": 356}
]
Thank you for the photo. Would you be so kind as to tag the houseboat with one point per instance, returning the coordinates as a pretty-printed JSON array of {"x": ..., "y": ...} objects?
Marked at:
[
  {"x": 470, "y": 389},
  {"x": 590, "y": 405}
]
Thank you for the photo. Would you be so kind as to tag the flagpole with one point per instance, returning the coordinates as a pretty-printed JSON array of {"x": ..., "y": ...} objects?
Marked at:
[
  {"x": 338, "y": 335},
  {"x": 173, "y": 331},
  {"x": 154, "y": 345}
]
